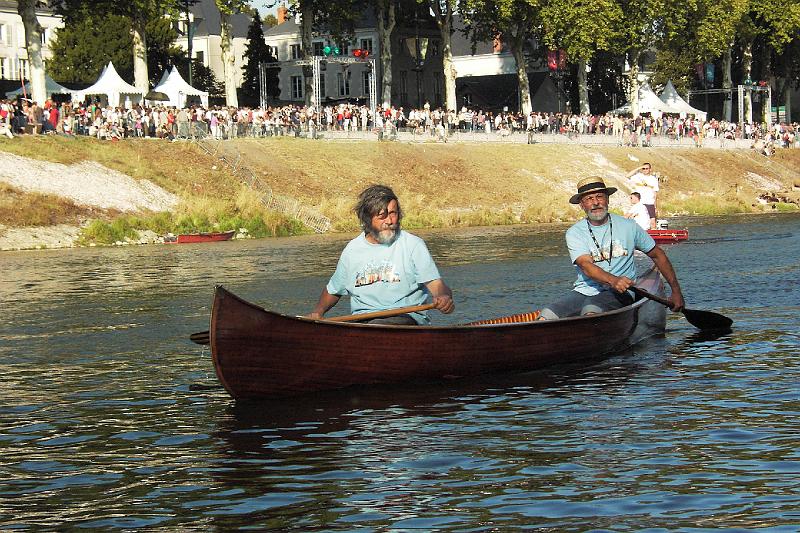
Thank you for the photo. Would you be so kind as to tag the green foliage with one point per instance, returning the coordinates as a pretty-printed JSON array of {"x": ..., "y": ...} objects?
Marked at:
[
  {"x": 258, "y": 52},
  {"x": 258, "y": 225},
  {"x": 84, "y": 47}
]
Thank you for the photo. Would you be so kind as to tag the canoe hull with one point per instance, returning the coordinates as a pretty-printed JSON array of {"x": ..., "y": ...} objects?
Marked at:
[
  {"x": 262, "y": 354},
  {"x": 189, "y": 238}
]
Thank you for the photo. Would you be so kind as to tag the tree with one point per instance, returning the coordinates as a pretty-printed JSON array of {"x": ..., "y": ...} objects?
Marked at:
[
  {"x": 83, "y": 47},
  {"x": 33, "y": 44},
  {"x": 581, "y": 29},
  {"x": 386, "y": 14},
  {"x": 443, "y": 15},
  {"x": 514, "y": 23},
  {"x": 226, "y": 9},
  {"x": 258, "y": 52}
]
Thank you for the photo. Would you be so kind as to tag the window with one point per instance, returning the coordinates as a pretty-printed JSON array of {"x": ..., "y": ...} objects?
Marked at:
[
  {"x": 294, "y": 51},
  {"x": 318, "y": 46},
  {"x": 23, "y": 69},
  {"x": 297, "y": 87},
  {"x": 366, "y": 44},
  {"x": 273, "y": 50},
  {"x": 199, "y": 56},
  {"x": 365, "y": 77},
  {"x": 437, "y": 86},
  {"x": 433, "y": 48},
  {"x": 5, "y": 37},
  {"x": 343, "y": 79},
  {"x": 344, "y": 49},
  {"x": 4, "y": 74},
  {"x": 322, "y": 88},
  {"x": 45, "y": 34}
]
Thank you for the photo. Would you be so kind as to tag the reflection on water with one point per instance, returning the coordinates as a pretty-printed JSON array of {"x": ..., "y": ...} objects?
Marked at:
[{"x": 110, "y": 418}]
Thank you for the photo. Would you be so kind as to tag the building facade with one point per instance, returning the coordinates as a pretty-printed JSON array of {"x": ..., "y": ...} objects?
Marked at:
[{"x": 14, "y": 64}]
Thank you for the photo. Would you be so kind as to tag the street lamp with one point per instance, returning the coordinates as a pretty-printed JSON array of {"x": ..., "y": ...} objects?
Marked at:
[
  {"x": 417, "y": 47},
  {"x": 557, "y": 64}
]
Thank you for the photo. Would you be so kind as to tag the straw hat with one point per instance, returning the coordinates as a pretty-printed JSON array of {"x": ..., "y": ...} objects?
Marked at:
[{"x": 590, "y": 185}]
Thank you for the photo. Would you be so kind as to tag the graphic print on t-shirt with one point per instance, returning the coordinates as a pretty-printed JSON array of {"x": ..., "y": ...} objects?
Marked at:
[
  {"x": 374, "y": 273},
  {"x": 618, "y": 251}
]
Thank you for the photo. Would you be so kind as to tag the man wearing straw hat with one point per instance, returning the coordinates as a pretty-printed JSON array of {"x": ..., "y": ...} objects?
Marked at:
[{"x": 601, "y": 247}]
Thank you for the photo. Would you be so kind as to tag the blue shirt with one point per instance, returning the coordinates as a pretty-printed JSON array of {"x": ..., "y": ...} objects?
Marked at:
[
  {"x": 379, "y": 276},
  {"x": 627, "y": 237}
]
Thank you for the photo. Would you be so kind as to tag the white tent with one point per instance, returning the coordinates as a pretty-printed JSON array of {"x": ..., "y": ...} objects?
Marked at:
[
  {"x": 50, "y": 86},
  {"x": 671, "y": 97},
  {"x": 648, "y": 103},
  {"x": 173, "y": 85},
  {"x": 115, "y": 90}
]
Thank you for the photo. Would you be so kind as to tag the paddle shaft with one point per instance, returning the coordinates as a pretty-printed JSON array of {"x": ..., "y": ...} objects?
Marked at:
[{"x": 203, "y": 337}]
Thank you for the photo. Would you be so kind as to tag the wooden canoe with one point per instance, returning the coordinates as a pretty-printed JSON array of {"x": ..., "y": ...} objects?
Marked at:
[
  {"x": 186, "y": 238},
  {"x": 668, "y": 236},
  {"x": 263, "y": 354}
]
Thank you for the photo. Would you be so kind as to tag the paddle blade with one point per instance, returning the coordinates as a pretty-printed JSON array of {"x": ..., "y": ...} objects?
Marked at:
[
  {"x": 201, "y": 337},
  {"x": 707, "y": 320}
]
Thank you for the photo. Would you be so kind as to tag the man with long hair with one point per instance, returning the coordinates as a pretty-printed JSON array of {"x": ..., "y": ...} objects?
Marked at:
[{"x": 385, "y": 267}]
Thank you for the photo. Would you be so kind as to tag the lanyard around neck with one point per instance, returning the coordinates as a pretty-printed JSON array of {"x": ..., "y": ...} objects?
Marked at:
[{"x": 610, "y": 241}]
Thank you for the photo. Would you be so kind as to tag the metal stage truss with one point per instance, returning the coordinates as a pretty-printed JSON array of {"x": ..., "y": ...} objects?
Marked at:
[{"x": 317, "y": 64}]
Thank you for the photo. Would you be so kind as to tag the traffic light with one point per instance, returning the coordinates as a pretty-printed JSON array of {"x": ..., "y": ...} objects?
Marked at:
[
  {"x": 361, "y": 53},
  {"x": 331, "y": 50}
]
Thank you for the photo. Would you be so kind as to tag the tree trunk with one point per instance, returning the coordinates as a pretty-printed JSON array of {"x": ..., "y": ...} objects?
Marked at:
[
  {"x": 306, "y": 24},
  {"x": 387, "y": 10},
  {"x": 523, "y": 84},
  {"x": 33, "y": 44},
  {"x": 633, "y": 95},
  {"x": 444, "y": 20},
  {"x": 583, "y": 87},
  {"x": 787, "y": 94},
  {"x": 768, "y": 75},
  {"x": 747, "y": 68},
  {"x": 140, "y": 75},
  {"x": 727, "y": 83},
  {"x": 228, "y": 64}
]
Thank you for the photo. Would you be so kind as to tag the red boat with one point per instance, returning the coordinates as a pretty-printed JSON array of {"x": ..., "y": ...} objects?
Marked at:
[
  {"x": 199, "y": 237},
  {"x": 263, "y": 354},
  {"x": 668, "y": 236}
]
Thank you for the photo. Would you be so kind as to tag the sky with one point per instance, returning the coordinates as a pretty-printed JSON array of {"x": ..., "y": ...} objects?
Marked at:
[{"x": 261, "y": 5}]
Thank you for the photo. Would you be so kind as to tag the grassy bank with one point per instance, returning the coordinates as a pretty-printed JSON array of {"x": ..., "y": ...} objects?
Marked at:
[{"x": 440, "y": 185}]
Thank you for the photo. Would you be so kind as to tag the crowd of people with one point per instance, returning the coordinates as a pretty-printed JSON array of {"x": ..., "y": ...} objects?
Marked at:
[{"x": 108, "y": 122}]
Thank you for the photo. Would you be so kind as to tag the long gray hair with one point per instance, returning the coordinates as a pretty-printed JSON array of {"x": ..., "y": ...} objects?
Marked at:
[{"x": 372, "y": 201}]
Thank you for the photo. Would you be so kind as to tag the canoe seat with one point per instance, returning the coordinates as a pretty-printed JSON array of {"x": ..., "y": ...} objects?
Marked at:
[{"x": 511, "y": 319}]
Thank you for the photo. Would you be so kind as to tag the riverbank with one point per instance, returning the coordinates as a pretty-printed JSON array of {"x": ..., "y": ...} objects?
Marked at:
[{"x": 56, "y": 182}]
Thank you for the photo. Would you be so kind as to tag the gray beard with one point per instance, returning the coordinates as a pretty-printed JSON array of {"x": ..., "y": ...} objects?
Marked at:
[
  {"x": 597, "y": 217},
  {"x": 386, "y": 236}
]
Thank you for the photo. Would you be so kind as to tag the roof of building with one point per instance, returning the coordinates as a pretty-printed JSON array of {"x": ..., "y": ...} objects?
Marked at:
[{"x": 207, "y": 20}]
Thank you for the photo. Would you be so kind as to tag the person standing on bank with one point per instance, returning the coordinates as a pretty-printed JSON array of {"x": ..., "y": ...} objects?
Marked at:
[
  {"x": 385, "y": 267},
  {"x": 645, "y": 183},
  {"x": 601, "y": 247}
]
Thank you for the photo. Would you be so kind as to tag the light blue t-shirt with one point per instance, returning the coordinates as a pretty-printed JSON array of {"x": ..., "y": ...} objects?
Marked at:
[
  {"x": 379, "y": 276},
  {"x": 627, "y": 237}
]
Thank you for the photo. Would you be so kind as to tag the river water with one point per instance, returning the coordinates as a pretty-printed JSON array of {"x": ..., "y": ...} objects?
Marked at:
[{"x": 110, "y": 418}]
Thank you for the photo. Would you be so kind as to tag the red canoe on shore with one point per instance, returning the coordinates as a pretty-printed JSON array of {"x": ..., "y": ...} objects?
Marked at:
[
  {"x": 199, "y": 237},
  {"x": 668, "y": 236}
]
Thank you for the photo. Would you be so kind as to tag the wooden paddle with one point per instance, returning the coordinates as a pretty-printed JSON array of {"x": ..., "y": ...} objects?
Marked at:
[
  {"x": 705, "y": 320},
  {"x": 203, "y": 337}
]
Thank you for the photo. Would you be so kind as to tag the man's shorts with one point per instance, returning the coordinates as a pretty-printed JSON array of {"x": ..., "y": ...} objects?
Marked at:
[
  {"x": 577, "y": 304},
  {"x": 651, "y": 210}
]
